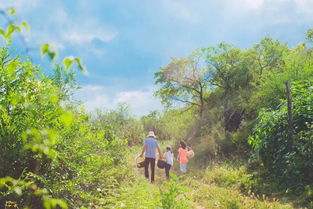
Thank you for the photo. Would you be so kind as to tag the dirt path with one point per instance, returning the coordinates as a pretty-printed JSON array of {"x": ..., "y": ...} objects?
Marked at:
[{"x": 202, "y": 194}]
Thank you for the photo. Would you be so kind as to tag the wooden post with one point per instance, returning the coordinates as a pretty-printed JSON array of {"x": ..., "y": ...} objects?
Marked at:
[{"x": 290, "y": 125}]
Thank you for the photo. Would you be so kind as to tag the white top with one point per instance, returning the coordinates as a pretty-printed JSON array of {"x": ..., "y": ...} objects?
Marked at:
[{"x": 169, "y": 157}]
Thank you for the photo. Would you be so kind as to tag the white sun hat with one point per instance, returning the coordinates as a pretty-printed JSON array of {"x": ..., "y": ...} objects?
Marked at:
[{"x": 151, "y": 133}]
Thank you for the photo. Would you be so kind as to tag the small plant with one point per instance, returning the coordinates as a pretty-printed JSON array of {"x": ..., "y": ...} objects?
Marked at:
[{"x": 173, "y": 194}]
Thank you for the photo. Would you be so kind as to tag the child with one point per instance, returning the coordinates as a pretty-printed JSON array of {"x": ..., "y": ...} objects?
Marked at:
[
  {"x": 169, "y": 161},
  {"x": 182, "y": 157}
]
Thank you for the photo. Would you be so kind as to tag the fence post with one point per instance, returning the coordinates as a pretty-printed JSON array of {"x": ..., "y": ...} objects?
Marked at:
[{"x": 290, "y": 125}]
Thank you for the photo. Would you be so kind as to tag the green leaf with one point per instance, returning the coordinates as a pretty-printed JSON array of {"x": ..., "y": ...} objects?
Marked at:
[
  {"x": 54, "y": 98},
  {"x": 52, "y": 55},
  {"x": 46, "y": 204},
  {"x": 62, "y": 204},
  {"x": 2, "y": 32},
  {"x": 10, "y": 29},
  {"x": 14, "y": 99},
  {"x": 66, "y": 119},
  {"x": 11, "y": 11},
  {"x": 44, "y": 49},
  {"x": 25, "y": 25},
  {"x": 18, "y": 28},
  {"x": 68, "y": 61},
  {"x": 80, "y": 66}
]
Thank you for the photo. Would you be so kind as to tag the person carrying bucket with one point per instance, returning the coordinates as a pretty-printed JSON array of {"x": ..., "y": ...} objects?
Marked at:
[
  {"x": 149, "y": 148},
  {"x": 182, "y": 157},
  {"x": 169, "y": 156}
]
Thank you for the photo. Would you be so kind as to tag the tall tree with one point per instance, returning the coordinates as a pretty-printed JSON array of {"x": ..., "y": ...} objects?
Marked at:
[
  {"x": 185, "y": 80},
  {"x": 229, "y": 73}
]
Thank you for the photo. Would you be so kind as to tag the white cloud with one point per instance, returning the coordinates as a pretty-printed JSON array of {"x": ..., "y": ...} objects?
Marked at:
[
  {"x": 305, "y": 6},
  {"x": 79, "y": 29},
  {"x": 83, "y": 35},
  {"x": 62, "y": 29},
  {"x": 269, "y": 12},
  {"x": 92, "y": 88},
  {"x": 180, "y": 9},
  {"x": 244, "y": 5},
  {"x": 253, "y": 4},
  {"x": 20, "y": 5},
  {"x": 289, "y": 11},
  {"x": 97, "y": 96}
]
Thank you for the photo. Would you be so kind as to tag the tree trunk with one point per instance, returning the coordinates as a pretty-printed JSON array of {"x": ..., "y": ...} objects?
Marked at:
[
  {"x": 198, "y": 125},
  {"x": 225, "y": 112}
]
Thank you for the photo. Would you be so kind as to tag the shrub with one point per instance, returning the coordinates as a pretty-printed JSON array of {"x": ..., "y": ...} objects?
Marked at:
[
  {"x": 50, "y": 149},
  {"x": 269, "y": 140},
  {"x": 173, "y": 194}
]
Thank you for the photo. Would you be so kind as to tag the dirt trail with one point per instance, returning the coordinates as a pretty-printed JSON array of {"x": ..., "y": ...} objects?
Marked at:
[{"x": 202, "y": 194}]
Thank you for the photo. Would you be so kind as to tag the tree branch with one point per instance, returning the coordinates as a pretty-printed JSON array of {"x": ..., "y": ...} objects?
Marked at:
[
  {"x": 10, "y": 21},
  {"x": 185, "y": 101}
]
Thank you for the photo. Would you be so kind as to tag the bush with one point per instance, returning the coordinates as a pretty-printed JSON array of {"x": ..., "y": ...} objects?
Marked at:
[
  {"x": 173, "y": 194},
  {"x": 50, "y": 149},
  {"x": 122, "y": 123},
  {"x": 293, "y": 167}
]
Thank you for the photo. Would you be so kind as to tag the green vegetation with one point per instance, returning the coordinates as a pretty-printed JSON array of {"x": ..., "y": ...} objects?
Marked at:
[
  {"x": 249, "y": 151},
  {"x": 291, "y": 166},
  {"x": 223, "y": 186},
  {"x": 53, "y": 148}
]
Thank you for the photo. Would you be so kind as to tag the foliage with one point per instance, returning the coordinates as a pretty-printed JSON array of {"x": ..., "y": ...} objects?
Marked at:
[
  {"x": 50, "y": 144},
  {"x": 28, "y": 110},
  {"x": 243, "y": 96},
  {"x": 184, "y": 80},
  {"x": 269, "y": 140},
  {"x": 122, "y": 123},
  {"x": 12, "y": 189},
  {"x": 231, "y": 78},
  {"x": 135, "y": 192},
  {"x": 288, "y": 64},
  {"x": 168, "y": 125},
  {"x": 47, "y": 49},
  {"x": 173, "y": 195},
  {"x": 228, "y": 185},
  {"x": 52, "y": 149}
]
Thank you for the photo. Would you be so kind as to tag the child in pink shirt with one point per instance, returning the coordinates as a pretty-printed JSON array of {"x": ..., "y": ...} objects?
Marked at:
[{"x": 182, "y": 157}]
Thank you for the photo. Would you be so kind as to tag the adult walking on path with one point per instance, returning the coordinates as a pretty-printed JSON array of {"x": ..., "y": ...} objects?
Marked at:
[{"x": 149, "y": 148}]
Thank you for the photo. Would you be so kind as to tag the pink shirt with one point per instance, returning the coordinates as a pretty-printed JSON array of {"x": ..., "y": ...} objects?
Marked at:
[{"x": 182, "y": 155}]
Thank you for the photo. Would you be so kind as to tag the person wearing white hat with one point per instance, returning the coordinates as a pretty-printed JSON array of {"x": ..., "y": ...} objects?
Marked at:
[{"x": 149, "y": 148}]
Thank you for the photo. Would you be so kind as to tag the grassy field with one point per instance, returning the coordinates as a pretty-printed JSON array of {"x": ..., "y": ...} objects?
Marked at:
[{"x": 218, "y": 186}]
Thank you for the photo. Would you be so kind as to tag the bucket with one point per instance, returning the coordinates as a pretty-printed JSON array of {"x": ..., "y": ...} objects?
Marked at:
[
  {"x": 161, "y": 164},
  {"x": 140, "y": 164}
]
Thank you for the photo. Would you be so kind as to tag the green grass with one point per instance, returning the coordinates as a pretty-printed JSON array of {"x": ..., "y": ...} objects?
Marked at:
[
  {"x": 221, "y": 187},
  {"x": 224, "y": 185}
]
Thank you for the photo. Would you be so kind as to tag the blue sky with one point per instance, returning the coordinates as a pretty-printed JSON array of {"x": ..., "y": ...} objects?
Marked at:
[{"x": 124, "y": 42}]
